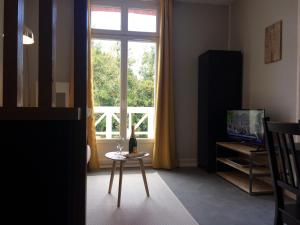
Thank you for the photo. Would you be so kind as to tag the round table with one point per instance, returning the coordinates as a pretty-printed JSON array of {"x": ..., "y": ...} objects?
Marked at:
[{"x": 117, "y": 157}]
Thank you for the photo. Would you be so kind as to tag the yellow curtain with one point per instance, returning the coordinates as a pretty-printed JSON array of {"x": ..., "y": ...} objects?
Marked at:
[
  {"x": 164, "y": 152},
  {"x": 91, "y": 130}
]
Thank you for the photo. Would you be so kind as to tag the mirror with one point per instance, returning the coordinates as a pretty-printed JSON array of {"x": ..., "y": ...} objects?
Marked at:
[
  {"x": 63, "y": 59},
  {"x": 64, "y": 52},
  {"x": 30, "y": 52}
]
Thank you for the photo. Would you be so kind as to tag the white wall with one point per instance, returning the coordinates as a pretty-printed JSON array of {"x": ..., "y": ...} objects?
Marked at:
[
  {"x": 270, "y": 86},
  {"x": 197, "y": 28},
  {"x": 1, "y": 47}
]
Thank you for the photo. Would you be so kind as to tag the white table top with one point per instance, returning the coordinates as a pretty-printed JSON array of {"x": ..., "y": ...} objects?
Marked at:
[{"x": 117, "y": 157}]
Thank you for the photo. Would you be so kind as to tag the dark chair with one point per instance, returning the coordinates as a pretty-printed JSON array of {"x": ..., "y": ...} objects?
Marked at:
[{"x": 284, "y": 169}]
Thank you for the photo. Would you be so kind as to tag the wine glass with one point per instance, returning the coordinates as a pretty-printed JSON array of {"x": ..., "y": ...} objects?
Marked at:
[{"x": 120, "y": 145}]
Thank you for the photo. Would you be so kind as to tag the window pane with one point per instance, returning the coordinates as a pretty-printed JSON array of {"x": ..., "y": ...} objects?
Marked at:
[
  {"x": 106, "y": 17},
  {"x": 106, "y": 57},
  {"x": 140, "y": 91},
  {"x": 143, "y": 20}
]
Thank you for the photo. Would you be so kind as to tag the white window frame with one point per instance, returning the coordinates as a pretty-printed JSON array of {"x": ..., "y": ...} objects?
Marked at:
[{"x": 125, "y": 36}]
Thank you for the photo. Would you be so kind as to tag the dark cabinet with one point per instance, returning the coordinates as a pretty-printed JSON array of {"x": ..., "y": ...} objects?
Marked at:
[{"x": 219, "y": 89}]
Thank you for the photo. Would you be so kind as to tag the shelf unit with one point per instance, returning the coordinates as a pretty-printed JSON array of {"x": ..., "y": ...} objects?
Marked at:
[{"x": 252, "y": 178}]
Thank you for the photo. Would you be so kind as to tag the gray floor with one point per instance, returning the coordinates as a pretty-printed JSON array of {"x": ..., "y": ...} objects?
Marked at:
[{"x": 213, "y": 201}]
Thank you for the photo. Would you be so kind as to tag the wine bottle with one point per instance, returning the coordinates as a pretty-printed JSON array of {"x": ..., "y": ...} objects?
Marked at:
[{"x": 132, "y": 142}]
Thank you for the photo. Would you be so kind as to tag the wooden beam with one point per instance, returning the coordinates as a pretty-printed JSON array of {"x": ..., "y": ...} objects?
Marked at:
[
  {"x": 47, "y": 48},
  {"x": 42, "y": 114},
  {"x": 80, "y": 53},
  {"x": 78, "y": 180},
  {"x": 13, "y": 53}
]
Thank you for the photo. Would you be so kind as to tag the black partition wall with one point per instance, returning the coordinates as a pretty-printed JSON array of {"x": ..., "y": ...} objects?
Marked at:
[
  {"x": 43, "y": 148},
  {"x": 219, "y": 90}
]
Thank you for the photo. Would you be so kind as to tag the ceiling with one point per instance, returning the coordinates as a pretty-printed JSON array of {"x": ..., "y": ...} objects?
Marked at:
[{"x": 215, "y": 2}]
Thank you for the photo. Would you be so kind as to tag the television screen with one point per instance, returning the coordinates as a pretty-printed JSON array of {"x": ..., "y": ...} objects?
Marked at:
[{"x": 246, "y": 125}]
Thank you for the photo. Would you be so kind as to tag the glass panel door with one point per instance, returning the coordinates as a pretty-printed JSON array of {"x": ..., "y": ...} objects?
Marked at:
[
  {"x": 106, "y": 58},
  {"x": 140, "y": 88}
]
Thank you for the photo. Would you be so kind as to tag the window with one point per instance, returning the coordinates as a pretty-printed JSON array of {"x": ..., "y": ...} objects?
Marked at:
[
  {"x": 124, "y": 50},
  {"x": 106, "y": 17},
  {"x": 137, "y": 18}
]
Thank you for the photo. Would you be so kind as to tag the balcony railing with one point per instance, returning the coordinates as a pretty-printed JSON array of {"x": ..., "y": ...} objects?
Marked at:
[{"x": 112, "y": 115}]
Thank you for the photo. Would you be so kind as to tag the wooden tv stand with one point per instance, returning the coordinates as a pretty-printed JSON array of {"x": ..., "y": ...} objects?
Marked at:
[{"x": 251, "y": 177}]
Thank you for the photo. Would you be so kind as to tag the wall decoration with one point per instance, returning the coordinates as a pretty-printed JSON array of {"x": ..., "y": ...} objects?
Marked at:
[{"x": 273, "y": 43}]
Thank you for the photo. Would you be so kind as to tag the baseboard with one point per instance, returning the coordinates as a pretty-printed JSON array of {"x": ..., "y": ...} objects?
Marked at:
[{"x": 188, "y": 162}]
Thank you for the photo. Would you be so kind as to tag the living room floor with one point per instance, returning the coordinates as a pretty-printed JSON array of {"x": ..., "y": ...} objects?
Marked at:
[{"x": 213, "y": 201}]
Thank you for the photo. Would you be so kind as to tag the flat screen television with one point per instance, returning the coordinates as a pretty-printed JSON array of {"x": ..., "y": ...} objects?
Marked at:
[{"x": 246, "y": 125}]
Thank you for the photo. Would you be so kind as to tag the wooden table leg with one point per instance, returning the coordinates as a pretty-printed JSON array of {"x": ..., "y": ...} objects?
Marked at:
[
  {"x": 144, "y": 176},
  {"x": 112, "y": 176},
  {"x": 120, "y": 183}
]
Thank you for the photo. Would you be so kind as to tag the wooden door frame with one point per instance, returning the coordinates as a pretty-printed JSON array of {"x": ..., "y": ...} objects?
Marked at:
[{"x": 298, "y": 68}]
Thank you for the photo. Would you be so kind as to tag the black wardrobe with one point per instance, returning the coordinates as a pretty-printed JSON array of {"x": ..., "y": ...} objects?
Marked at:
[{"x": 219, "y": 90}]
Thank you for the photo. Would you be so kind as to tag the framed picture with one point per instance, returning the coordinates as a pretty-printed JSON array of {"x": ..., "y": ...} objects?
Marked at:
[{"x": 273, "y": 43}]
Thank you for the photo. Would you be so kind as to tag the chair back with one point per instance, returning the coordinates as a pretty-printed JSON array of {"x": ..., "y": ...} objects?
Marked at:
[{"x": 283, "y": 158}]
